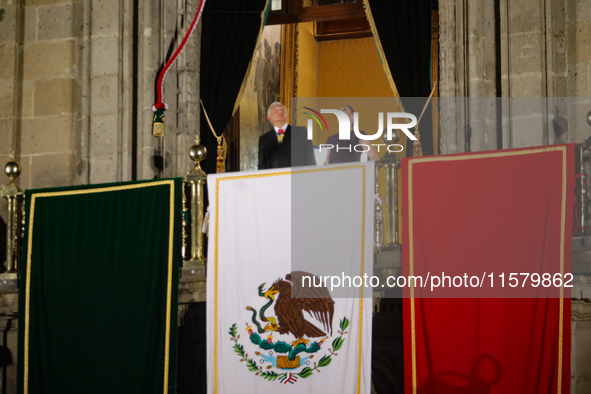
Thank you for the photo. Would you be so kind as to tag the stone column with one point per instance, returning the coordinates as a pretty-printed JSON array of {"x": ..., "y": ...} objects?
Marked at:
[
  {"x": 581, "y": 347},
  {"x": 38, "y": 85},
  {"x": 187, "y": 93},
  {"x": 467, "y": 70},
  {"x": 105, "y": 77},
  {"x": 514, "y": 49},
  {"x": 578, "y": 67},
  {"x": 162, "y": 25},
  {"x": 9, "y": 336}
]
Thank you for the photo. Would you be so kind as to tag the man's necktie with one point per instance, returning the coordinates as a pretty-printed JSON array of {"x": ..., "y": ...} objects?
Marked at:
[{"x": 280, "y": 135}]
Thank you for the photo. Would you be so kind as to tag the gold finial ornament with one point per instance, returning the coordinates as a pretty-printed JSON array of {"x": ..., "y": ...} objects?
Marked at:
[
  {"x": 197, "y": 153},
  {"x": 394, "y": 140},
  {"x": 12, "y": 170}
]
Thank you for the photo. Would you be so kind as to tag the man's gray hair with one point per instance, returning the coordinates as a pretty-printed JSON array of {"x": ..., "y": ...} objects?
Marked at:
[{"x": 274, "y": 104}]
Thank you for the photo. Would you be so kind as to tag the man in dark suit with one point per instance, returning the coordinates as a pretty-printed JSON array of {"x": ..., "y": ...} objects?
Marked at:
[{"x": 284, "y": 145}]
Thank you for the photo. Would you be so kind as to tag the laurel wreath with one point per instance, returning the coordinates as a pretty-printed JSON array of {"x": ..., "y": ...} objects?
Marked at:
[{"x": 306, "y": 372}]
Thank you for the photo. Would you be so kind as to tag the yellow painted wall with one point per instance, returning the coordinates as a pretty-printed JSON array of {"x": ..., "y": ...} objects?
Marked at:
[
  {"x": 345, "y": 70},
  {"x": 340, "y": 69},
  {"x": 307, "y": 61},
  {"x": 351, "y": 68}
]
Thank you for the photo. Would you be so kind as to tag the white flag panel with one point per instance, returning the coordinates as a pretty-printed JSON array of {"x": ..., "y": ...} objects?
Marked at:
[{"x": 260, "y": 339}]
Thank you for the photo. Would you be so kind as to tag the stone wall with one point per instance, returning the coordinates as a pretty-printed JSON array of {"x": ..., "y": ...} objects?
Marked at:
[
  {"x": 522, "y": 48},
  {"x": 580, "y": 340},
  {"x": 77, "y": 83},
  {"x": 40, "y": 89}
]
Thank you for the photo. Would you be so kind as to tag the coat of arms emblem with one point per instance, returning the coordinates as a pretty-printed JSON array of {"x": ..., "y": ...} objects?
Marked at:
[{"x": 287, "y": 334}]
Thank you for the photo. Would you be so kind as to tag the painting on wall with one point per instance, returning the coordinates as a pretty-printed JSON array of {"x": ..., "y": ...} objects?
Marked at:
[{"x": 262, "y": 88}]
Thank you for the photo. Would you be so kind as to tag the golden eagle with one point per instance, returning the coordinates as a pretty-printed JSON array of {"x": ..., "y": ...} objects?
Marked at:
[{"x": 290, "y": 311}]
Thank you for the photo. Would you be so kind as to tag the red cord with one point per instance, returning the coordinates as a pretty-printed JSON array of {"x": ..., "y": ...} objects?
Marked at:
[{"x": 160, "y": 104}]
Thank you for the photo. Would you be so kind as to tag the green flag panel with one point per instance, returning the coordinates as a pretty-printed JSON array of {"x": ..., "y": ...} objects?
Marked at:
[{"x": 98, "y": 289}]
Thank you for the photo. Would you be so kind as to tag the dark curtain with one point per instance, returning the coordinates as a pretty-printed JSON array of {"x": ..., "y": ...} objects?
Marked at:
[
  {"x": 192, "y": 371},
  {"x": 228, "y": 40},
  {"x": 99, "y": 280},
  {"x": 404, "y": 28},
  {"x": 387, "y": 357}
]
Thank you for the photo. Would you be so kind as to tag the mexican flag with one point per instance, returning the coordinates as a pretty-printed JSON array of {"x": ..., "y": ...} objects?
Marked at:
[{"x": 277, "y": 320}]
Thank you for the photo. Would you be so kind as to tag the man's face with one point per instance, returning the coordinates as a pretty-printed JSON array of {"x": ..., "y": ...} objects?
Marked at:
[{"x": 278, "y": 116}]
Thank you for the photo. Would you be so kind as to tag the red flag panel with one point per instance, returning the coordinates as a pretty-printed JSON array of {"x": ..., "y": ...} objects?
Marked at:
[{"x": 489, "y": 236}]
